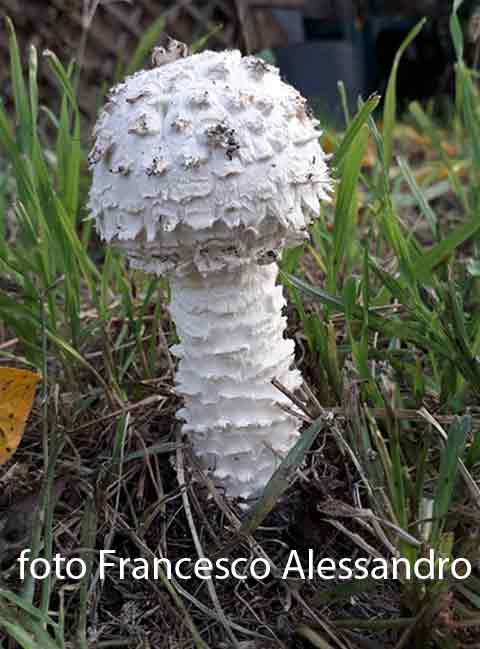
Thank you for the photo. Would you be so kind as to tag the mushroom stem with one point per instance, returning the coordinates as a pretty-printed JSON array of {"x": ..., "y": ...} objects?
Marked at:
[{"x": 231, "y": 329}]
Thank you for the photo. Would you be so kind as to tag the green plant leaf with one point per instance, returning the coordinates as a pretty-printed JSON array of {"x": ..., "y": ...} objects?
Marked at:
[
  {"x": 453, "y": 450},
  {"x": 280, "y": 481},
  {"x": 358, "y": 122},
  {"x": 390, "y": 107},
  {"x": 146, "y": 45}
]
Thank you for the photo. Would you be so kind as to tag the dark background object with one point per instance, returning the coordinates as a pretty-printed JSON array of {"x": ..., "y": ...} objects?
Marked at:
[
  {"x": 315, "y": 68},
  {"x": 356, "y": 42}
]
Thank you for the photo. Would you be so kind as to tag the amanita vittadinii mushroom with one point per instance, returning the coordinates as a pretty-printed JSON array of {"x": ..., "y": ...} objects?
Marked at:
[{"x": 204, "y": 169}]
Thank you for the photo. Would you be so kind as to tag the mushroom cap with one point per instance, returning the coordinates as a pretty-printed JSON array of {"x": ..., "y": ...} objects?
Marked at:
[{"x": 205, "y": 163}]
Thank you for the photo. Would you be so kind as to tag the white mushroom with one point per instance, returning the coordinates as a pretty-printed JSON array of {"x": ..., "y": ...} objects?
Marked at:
[{"x": 204, "y": 169}]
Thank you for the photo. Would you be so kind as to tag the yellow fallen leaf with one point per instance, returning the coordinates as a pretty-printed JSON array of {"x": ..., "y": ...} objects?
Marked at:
[
  {"x": 370, "y": 155},
  {"x": 327, "y": 143},
  {"x": 17, "y": 391},
  {"x": 449, "y": 149}
]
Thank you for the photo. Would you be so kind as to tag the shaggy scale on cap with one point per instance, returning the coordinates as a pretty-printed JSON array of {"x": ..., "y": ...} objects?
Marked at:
[
  {"x": 205, "y": 169},
  {"x": 206, "y": 162}
]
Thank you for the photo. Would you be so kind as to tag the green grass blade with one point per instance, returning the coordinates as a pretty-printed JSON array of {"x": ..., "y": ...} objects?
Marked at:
[
  {"x": 390, "y": 108},
  {"x": 418, "y": 194},
  {"x": 354, "y": 129},
  {"x": 19, "y": 634},
  {"x": 412, "y": 332},
  {"x": 456, "y": 29},
  {"x": 28, "y": 608},
  {"x": 200, "y": 43},
  {"x": 88, "y": 536},
  {"x": 280, "y": 481},
  {"x": 20, "y": 95},
  {"x": 427, "y": 262},
  {"x": 430, "y": 129},
  {"x": 33, "y": 87},
  {"x": 147, "y": 43},
  {"x": 448, "y": 473},
  {"x": 346, "y": 204}
]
